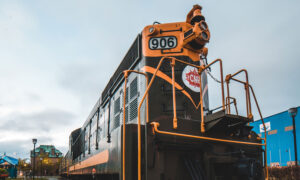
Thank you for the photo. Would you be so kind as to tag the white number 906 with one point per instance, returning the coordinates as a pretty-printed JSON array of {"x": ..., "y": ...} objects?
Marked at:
[{"x": 165, "y": 42}]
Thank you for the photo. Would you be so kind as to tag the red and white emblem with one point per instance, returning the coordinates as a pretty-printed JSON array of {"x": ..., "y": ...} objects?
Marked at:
[
  {"x": 93, "y": 171},
  {"x": 191, "y": 78}
]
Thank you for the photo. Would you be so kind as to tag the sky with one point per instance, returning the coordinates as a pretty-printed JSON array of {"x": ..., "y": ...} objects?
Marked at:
[{"x": 56, "y": 57}]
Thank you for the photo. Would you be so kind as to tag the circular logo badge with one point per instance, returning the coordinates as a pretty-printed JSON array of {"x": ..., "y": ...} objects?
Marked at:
[
  {"x": 93, "y": 170},
  {"x": 191, "y": 78}
]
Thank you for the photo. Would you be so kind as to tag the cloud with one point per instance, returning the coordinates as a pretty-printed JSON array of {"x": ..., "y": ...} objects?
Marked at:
[
  {"x": 21, "y": 148},
  {"x": 45, "y": 121},
  {"x": 57, "y": 56},
  {"x": 257, "y": 43},
  {"x": 50, "y": 126},
  {"x": 15, "y": 21},
  {"x": 84, "y": 79}
]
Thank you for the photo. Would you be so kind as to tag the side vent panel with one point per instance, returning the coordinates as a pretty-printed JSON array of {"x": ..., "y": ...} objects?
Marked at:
[
  {"x": 117, "y": 121},
  {"x": 117, "y": 106},
  {"x": 126, "y": 115},
  {"x": 133, "y": 109},
  {"x": 133, "y": 88}
]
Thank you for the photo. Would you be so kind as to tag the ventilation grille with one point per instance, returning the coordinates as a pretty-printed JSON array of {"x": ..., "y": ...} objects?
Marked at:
[
  {"x": 117, "y": 106},
  {"x": 126, "y": 98},
  {"x": 117, "y": 121},
  {"x": 188, "y": 33},
  {"x": 126, "y": 115},
  {"x": 133, "y": 88},
  {"x": 133, "y": 109}
]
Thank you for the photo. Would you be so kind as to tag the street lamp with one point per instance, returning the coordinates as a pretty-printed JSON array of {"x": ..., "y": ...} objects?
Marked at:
[
  {"x": 293, "y": 113},
  {"x": 41, "y": 166},
  {"x": 34, "y": 141}
]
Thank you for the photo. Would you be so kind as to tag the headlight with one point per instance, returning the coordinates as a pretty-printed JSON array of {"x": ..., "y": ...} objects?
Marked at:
[
  {"x": 203, "y": 26},
  {"x": 204, "y": 35}
]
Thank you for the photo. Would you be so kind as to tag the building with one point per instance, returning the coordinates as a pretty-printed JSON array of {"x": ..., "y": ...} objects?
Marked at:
[
  {"x": 280, "y": 138},
  {"x": 47, "y": 159},
  {"x": 10, "y": 164}
]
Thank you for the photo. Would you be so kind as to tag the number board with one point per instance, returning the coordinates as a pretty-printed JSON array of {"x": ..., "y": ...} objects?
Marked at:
[{"x": 164, "y": 42}]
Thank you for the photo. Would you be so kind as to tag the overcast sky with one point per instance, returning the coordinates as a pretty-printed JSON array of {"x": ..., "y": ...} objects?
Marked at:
[{"x": 57, "y": 56}]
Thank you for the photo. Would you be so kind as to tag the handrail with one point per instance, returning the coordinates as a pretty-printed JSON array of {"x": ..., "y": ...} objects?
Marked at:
[
  {"x": 174, "y": 95},
  {"x": 201, "y": 69},
  {"x": 246, "y": 84},
  {"x": 249, "y": 113},
  {"x": 124, "y": 122},
  {"x": 155, "y": 129},
  {"x": 156, "y": 125},
  {"x": 126, "y": 73},
  {"x": 139, "y": 118},
  {"x": 228, "y": 104},
  {"x": 265, "y": 130},
  {"x": 221, "y": 74},
  {"x": 202, "y": 126},
  {"x": 211, "y": 110}
]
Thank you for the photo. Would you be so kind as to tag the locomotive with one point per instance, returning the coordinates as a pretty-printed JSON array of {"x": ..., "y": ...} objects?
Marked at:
[{"x": 153, "y": 122}]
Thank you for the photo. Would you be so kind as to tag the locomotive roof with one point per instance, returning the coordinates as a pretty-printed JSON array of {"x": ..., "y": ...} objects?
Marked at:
[
  {"x": 128, "y": 62},
  {"x": 94, "y": 110}
]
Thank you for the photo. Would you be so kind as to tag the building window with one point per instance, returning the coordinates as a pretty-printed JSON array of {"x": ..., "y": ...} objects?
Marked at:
[
  {"x": 272, "y": 132},
  {"x": 288, "y": 128}
]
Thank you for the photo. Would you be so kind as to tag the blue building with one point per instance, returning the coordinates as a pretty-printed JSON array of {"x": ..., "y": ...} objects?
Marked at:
[
  {"x": 10, "y": 164},
  {"x": 280, "y": 138}
]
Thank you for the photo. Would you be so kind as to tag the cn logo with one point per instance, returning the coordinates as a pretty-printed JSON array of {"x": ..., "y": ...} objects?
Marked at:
[{"x": 191, "y": 78}]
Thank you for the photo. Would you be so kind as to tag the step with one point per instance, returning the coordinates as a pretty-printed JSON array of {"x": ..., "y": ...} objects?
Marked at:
[{"x": 221, "y": 122}]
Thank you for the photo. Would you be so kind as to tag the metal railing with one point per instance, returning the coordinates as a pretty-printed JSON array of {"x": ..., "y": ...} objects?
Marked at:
[
  {"x": 247, "y": 93},
  {"x": 228, "y": 104},
  {"x": 200, "y": 68},
  {"x": 126, "y": 73},
  {"x": 248, "y": 87}
]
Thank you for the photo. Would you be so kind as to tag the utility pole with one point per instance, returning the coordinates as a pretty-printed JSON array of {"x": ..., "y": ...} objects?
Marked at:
[
  {"x": 34, "y": 141},
  {"x": 293, "y": 113}
]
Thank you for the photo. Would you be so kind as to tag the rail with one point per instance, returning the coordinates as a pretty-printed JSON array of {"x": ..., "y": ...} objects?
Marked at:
[
  {"x": 248, "y": 106},
  {"x": 265, "y": 130},
  {"x": 216, "y": 108},
  {"x": 126, "y": 74},
  {"x": 246, "y": 85},
  {"x": 228, "y": 105},
  {"x": 200, "y": 68},
  {"x": 156, "y": 130}
]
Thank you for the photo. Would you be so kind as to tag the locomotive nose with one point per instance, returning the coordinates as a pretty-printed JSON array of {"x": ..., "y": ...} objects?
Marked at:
[{"x": 198, "y": 35}]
